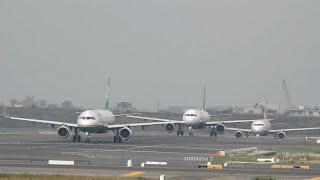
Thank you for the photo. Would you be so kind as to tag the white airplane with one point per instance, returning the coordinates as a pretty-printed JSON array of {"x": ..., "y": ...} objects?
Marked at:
[
  {"x": 263, "y": 128},
  {"x": 194, "y": 119},
  {"x": 92, "y": 121}
]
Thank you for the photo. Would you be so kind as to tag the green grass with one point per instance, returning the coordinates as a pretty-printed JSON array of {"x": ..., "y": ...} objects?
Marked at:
[
  {"x": 235, "y": 158},
  {"x": 263, "y": 178},
  {"x": 295, "y": 149},
  {"x": 4, "y": 176}
]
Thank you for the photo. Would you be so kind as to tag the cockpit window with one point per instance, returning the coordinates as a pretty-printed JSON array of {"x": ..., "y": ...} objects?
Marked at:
[
  {"x": 83, "y": 117},
  {"x": 191, "y": 115}
]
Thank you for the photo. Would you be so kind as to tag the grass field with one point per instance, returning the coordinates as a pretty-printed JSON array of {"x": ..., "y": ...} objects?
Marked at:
[
  {"x": 61, "y": 177},
  {"x": 295, "y": 149},
  {"x": 235, "y": 158}
]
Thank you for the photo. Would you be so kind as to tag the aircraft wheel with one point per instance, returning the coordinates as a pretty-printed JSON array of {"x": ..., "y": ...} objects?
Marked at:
[
  {"x": 211, "y": 133},
  {"x": 79, "y": 138},
  {"x": 215, "y": 134},
  {"x": 181, "y": 133},
  {"x": 178, "y": 133},
  {"x": 74, "y": 138}
]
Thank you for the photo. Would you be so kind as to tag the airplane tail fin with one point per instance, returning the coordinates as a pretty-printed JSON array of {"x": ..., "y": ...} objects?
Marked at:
[
  {"x": 107, "y": 96},
  {"x": 204, "y": 98},
  {"x": 265, "y": 109}
]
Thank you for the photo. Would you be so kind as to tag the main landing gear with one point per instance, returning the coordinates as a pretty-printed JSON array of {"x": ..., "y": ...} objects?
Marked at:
[
  {"x": 213, "y": 132},
  {"x": 117, "y": 137},
  {"x": 180, "y": 131},
  {"x": 76, "y": 136}
]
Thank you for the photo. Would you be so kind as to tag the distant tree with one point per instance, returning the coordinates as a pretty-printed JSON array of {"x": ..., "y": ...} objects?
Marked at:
[
  {"x": 67, "y": 105},
  {"x": 28, "y": 102},
  {"x": 42, "y": 103},
  {"x": 52, "y": 106},
  {"x": 13, "y": 102}
]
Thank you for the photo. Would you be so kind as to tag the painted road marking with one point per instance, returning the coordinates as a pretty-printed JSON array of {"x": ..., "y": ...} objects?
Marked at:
[
  {"x": 134, "y": 173},
  {"x": 316, "y": 178}
]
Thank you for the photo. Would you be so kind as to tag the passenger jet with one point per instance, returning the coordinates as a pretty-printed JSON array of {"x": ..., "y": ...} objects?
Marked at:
[
  {"x": 263, "y": 128},
  {"x": 194, "y": 119},
  {"x": 92, "y": 121}
]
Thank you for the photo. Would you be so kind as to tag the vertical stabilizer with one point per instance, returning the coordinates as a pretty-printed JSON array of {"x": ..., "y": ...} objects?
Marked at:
[
  {"x": 107, "y": 96},
  {"x": 204, "y": 98},
  {"x": 265, "y": 109}
]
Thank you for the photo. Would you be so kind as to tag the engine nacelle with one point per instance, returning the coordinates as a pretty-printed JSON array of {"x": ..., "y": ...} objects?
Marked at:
[
  {"x": 125, "y": 133},
  {"x": 238, "y": 134},
  {"x": 63, "y": 132},
  {"x": 281, "y": 135},
  {"x": 220, "y": 128},
  {"x": 169, "y": 127}
]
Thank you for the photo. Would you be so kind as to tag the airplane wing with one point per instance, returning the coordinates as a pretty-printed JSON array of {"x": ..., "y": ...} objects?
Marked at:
[
  {"x": 239, "y": 129},
  {"x": 119, "y": 115},
  {"x": 157, "y": 119},
  {"x": 218, "y": 115},
  {"x": 296, "y": 129},
  {"x": 210, "y": 123},
  {"x": 42, "y": 121},
  {"x": 117, "y": 126}
]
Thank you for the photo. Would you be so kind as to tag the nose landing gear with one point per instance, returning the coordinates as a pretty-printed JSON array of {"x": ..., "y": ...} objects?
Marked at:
[
  {"x": 87, "y": 137},
  {"x": 190, "y": 131}
]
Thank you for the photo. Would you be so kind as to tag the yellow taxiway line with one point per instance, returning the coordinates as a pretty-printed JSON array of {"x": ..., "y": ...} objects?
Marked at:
[
  {"x": 134, "y": 173},
  {"x": 315, "y": 178}
]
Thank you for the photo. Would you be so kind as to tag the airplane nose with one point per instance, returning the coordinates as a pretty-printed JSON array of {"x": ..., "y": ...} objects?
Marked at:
[
  {"x": 257, "y": 130},
  {"x": 190, "y": 121}
]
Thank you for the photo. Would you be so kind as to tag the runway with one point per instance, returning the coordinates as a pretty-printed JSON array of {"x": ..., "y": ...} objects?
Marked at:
[{"x": 25, "y": 151}]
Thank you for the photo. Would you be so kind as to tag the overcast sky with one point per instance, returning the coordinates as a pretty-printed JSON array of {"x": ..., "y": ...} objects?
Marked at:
[{"x": 160, "y": 51}]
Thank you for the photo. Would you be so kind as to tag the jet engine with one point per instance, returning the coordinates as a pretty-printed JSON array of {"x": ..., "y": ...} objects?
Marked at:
[
  {"x": 169, "y": 127},
  {"x": 63, "y": 132},
  {"x": 238, "y": 134},
  {"x": 125, "y": 133},
  {"x": 281, "y": 135},
  {"x": 220, "y": 128}
]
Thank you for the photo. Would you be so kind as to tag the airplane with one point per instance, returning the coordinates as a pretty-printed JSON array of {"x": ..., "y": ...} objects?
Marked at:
[
  {"x": 194, "y": 119},
  {"x": 92, "y": 121},
  {"x": 263, "y": 128}
]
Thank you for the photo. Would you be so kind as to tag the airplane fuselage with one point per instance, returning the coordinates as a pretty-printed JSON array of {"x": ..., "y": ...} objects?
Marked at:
[
  {"x": 95, "y": 121},
  {"x": 195, "y": 118},
  {"x": 260, "y": 127}
]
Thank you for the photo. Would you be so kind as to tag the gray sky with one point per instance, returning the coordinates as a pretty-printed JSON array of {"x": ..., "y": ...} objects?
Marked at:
[{"x": 160, "y": 50}]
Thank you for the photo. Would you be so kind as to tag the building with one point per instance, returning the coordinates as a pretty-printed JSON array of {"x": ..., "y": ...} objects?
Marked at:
[
  {"x": 253, "y": 110},
  {"x": 304, "y": 112},
  {"x": 125, "y": 107}
]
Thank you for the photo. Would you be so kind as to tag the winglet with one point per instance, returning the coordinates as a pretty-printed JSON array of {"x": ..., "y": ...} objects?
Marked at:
[
  {"x": 4, "y": 112},
  {"x": 107, "y": 96}
]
